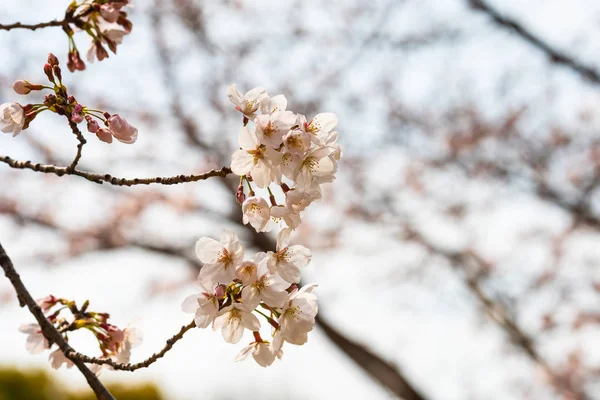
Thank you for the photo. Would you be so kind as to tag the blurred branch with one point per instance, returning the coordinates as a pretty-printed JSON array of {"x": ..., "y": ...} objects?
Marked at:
[
  {"x": 459, "y": 261},
  {"x": 48, "y": 329},
  {"x": 555, "y": 56},
  {"x": 100, "y": 178}
]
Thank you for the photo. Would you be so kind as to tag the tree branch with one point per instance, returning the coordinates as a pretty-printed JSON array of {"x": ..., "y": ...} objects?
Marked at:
[
  {"x": 80, "y": 145},
  {"x": 100, "y": 178},
  {"x": 73, "y": 355},
  {"x": 33, "y": 27},
  {"x": 48, "y": 330},
  {"x": 556, "y": 56}
]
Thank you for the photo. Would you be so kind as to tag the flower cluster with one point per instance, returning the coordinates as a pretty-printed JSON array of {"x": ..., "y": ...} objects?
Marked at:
[
  {"x": 284, "y": 149},
  {"x": 15, "y": 117},
  {"x": 104, "y": 21},
  {"x": 114, "y": 343},
  {"x": 234, "y": 291}
]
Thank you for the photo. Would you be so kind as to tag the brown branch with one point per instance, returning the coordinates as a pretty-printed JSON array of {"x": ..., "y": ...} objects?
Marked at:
[
  {"x": 80, "y": 145},
  {"x": 33, "y": 27},
  {"x": 73, "y": 355},
  {"x": 556, "y": 56},
  {"x": 100, "y": 178},
  {"x": 48, "y": 330}
]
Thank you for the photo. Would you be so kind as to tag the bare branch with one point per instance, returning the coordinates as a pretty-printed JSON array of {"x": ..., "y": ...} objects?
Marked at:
[
  {"x": 33, "y": 27},
  {"x": 556, "y": 56},
  {"x": 48, "y": 330},
  {"x": 73, "y": 355},
  {"x": 100, "y": 178},
  {"x": 81, "y": 141}
]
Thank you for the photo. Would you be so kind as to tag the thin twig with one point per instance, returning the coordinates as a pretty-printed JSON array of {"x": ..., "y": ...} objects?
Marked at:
[
  {"x": 556, "y": 56},
  {"x": 48, "y": 330},
  {"x": 132, "y": 367},
  {"x": 33, "y": 27},
  {"x": 100, "y": 178},
  {"x": 80, "y": 145}
]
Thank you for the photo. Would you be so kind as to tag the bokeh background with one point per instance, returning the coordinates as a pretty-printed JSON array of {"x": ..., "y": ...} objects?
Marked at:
[{"x": 457, "y": 253}]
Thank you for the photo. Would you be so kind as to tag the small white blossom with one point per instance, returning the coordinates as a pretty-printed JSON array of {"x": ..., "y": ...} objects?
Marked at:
[
  {"x": 12, "y": 118},
  {"x": 133, "y": 338},
  {"x": 296, "y": 142},
  {"x": 220, "y": 258},
  {"x": 316, "y": 164},
  {"x": 267, "y": 287},
  {"x": 319, "y": 126},
  {"x": 203, "y": 305},
  {"x": 256, "y": 212},
  {"x": 36, "y": 341},
  {"x": 261, "y": 352},
  {"x": 253, "y": 158},
  {"x": 57, "y": 358},
  {"x": 298, "y": 200},
  {"x": 273, "y": 104},
  {"x": 233, "y": 320},
  {"x": 249, "y": 103},
  {"x": 288, "y": 260},
  {"x": 270, "y": 128},
  {"x": 290, "y": 217},
  {"x": 297, "y": 317},
  {"x": 248, "y": 271}
]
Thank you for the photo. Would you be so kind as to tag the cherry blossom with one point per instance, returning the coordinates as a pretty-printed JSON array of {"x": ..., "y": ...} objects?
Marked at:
[
  {"x": 249, "y": 103},
  {"x": 12, "y": 118},
  {"x": 253, "y": 158},
  {"x": 267, "y": 287},
  {"x": 297, "y": 317},
  {"x": 261, "y": 352},
  {"x": 256, "y": 212},
  {"x": 319, "y": 126},
  {"x": 296, "y": 142},
  {"x": 57, "y": 359},
  {"x": 36, "y": 341},
  {"x": 316, "y": 164},
  {"x": 290, "y": 217},
  {"x": 288, "y": 260},
  {"x": 232, "y": 321},
  {"x": 273, "y": 104},
  {"x": 270, "y": 128},
  {"x": 205, "y": 306},
  {"x": 220, "y": 259}
]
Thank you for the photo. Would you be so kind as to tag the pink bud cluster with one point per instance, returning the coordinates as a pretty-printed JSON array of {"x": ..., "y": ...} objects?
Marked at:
[
  {"x": 105, "y": 21},
  {"x": 282, "y": 149},
  {"x": 114, "y": 343},
  {"x": 14, "y": 117}
]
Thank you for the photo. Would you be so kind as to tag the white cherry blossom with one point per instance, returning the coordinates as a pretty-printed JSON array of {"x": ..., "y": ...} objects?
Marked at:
[
  {"x": 268, "y": 287},
  {"x": 12, "y": 118},
  {"x": 253, "y": 158},
  {"x": 256, "y": 212},
  {"x": 296, "y": 141},
  {"x": 273, "y": 104},
  {"x": 261, "y": 352},
  {"x": 248, "y": 271},
  {"x": 297, "y": 200},
  {"x": 204, "y": 306},
  {"x": 36, "y": 342},
  {"x": 290, "y": 217},
  {"x": 297, "y": 317},
  {"x": 316, "y": 164},
  {"x": 232, "y": 321},
  {"x": 220, "y": 258},
  {"x": 249, "y": 103},
  {"x": 288, "y": 260},
  {"x": 57, "y": 358},
  {"x": 270, "y": 128},
  {"x": 319, "y": 126}
]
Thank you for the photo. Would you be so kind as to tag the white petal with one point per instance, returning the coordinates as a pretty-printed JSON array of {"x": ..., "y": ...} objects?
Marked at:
[
  {"x": 235, "y": 96},
  {"x": 250, "y": 297},
  {"x": 325, "y": 122},
  {"x": 190, "y": 304},
  {"x": 250, "y": 321},
  {"x": 233, "y": 330},
  {"x": 244, "y": 353},
  {"x": 242, "y": 162},
  {"x": 283, "y": 239},
  {"x": 299, "y": 255},
  {"x": 207, "y": 250},
  {"x": 247, "y": 139}
]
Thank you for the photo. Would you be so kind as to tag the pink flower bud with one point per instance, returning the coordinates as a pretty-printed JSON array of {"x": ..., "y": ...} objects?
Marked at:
[
  {"x": 104, "y": 135},
  {"x": 47, "y": 302},
  {"x": 121, "y": 129},
  {"x": 52, "y": 59},
  {"x": 77, "y": 118},
  {"x": 22, "y": 87},
  {"x": 48, "y": 72},
  {"x": 77, "y": 108},
  {"x": 220, "y": 291},
  {"x": 109, "y": 12},
  {"x": 92, "y": 125},
  {"x": 239, "y": 195}
]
